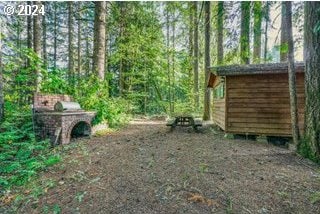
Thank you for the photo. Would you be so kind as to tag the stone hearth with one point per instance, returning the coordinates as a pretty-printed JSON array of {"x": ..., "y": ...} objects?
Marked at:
[{"x": 67, "y": 124}]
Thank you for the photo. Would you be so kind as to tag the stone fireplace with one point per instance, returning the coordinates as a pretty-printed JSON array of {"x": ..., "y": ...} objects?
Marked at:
[{"x": 59, "y": 126}]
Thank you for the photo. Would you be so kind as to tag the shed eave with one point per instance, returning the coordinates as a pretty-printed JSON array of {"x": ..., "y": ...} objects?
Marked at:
[{"x": 268, "y": 68}]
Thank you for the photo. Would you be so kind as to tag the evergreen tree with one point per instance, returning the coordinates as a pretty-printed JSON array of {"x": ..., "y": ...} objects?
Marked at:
[
  {"x": 99, "y": 39},
  {"x": 291, "y": 74},
  {"x": 220, "y": 16},
  {"x": 257, "y": 14},
  {"x": 207, "y": 94},
  {"x": 312, "y": 76},
  {"x": 245, "y": 33}
]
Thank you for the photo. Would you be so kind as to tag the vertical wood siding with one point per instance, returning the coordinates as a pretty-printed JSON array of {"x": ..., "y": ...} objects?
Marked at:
[{"x": 219, "y": 111}]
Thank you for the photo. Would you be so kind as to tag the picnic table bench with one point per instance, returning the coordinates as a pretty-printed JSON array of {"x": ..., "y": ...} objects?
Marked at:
[{"x": 184, "y": 121}]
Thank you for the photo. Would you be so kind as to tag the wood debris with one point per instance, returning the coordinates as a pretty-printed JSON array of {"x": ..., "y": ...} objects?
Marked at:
[{"x": 197, "y": 198}]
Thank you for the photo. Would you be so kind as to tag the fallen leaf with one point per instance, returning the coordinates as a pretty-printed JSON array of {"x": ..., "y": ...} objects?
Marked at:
[
  {"x": 7, "y": 199},
  {"x": 194, "y": 197}
]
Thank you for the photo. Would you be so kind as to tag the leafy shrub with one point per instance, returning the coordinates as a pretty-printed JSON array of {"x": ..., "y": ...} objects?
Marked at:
[
  {"x": 94, "y": 95},
  {"x": 55, "y": 82},
  {"x": 305, "y": 150},
  {"x": 21, "y": 156}
]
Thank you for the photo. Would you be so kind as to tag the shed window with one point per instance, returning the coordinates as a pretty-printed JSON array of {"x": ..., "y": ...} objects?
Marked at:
[{"x": 219, "y": 91}]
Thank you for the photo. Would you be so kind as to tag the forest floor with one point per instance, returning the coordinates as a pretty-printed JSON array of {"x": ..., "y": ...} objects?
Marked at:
[{"x": 145, "y": 168}]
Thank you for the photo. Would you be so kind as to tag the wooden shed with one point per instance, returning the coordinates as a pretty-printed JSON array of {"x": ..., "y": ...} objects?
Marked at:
[{"x": 254, "y": 99}]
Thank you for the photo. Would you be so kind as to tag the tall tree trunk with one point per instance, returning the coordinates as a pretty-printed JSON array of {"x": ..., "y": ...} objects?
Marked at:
[
  {"x": 284, "y": 40},
  {"x": 87, "y": 64},
  {"x": 207, "y": 8},
  {"x": 190, "y": 44},
  {"x": 107, "y": 81},
  {"x": 312, "y": 76},
  {"x": 99, "y": 39},
  {"x": 266, "y": 19},
  {"x": 1, "y": 80},
  {"x": 79, "y": 42},
  {"x": 37, "y": 45},
  {"x": 122, "y": 6},
  {"x": 18, "y": 40},
  {"x": 29, "y": 33},
  {"x": 168, "y": 57},
  {"x": 55, "y": 35},
  {"x": 257, "y": 13},
  {"x": 70, "y": 44},
  {"x": 245, "y": 33},
  {"x": 196, "y": 56},
  {"x": 107, "y": 43},
  {"x": 220, "y": 16},
  {"x": 44, "y": 38},
  {"x": 292, "y": 75},
  {"x": 173, "y": 58},
  {"x": 29, "y": 29}
]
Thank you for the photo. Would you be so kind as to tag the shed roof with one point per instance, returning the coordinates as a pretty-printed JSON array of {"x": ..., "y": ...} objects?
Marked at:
[
  {"x": 269, "y": 68},
  {"x": 237, "y": 70}
]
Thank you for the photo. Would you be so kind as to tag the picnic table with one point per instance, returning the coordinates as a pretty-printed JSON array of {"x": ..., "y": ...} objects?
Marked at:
[{"x": 185, "y": 121}]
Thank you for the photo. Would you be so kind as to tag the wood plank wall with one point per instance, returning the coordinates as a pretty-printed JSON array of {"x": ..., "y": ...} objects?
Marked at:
[
  {"x": 219, "y": 112},
  {"x": 259, "y": 104}
]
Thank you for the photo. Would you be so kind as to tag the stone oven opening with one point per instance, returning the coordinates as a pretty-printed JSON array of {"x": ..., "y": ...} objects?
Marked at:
[{"x": 80, "y": 130}]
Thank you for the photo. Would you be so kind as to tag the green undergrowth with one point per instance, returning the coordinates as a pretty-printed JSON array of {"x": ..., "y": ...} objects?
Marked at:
[
  {"x": 305, "y": 151},
  {"x": 30, "y": 192},
  {"x": 21, "y": 155}
]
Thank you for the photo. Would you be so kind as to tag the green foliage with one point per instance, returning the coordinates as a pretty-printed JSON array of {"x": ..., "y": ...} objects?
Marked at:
[
  {"x": 80, "y": 196},
  {"x": 55, "y": 82},
  {"x": 305, "y": 150},
  {"x": 93, "y": 94},
  {"x": 19, "y": 74},
  {"x": 20, "y": 154},
  {"x": 315, "y": 197}
]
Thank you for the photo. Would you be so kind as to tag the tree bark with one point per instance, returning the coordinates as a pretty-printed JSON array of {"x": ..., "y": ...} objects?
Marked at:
[
  {"x": 292, "y": 75},
  {"x": 107, "y": 42},
  {"x": 284, "y": 40},
  {"x": 312, "y": 76},
  {"x": 196, "y": 56},
  {"x": 266, "y": 18},
  {"x": 29, "y": 33},
  {"x": 245, "y": 33},
  {"x": 44, "y": 38},
  {"x": 257, "y": 12},
  {"x": 29, "y": 29},
  {"x": 207, "y": 8},
  {"x": 190, "y": 44},
  {"x": 55, "y": 35},
  {"x": 168, "y": 57},
  {"x": 87, "y": 58},
  {"x": 122, "y": 6},
  {"x": 99, "y": 39},
  {"x": 70, "y": 44},
  {"x": 1, "y": 80},
  {"x": 18, "y": 38},
  {"x": 220, "y": 16},
  {"x": 37, "y": 45},
  {"x": 173, "y": 58},
  {"x": 79, "y": 42}
]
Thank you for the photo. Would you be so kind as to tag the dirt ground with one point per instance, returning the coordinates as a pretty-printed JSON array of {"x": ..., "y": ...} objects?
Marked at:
[{"x": 145, "y": 168}]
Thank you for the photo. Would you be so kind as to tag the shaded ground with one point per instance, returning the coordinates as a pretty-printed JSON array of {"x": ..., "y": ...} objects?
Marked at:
[{"x": 144, "y": 168}]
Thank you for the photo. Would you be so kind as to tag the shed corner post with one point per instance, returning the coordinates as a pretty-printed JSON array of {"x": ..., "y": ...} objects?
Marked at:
[{"x": 226, "y": 104}]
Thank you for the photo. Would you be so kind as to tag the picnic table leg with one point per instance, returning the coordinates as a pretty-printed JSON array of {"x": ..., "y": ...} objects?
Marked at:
[
  {"x": 173, "y": 125},
  {"x": 195, "y": 127}
]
